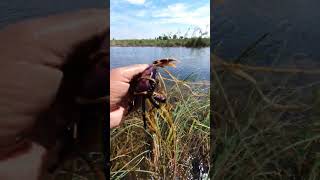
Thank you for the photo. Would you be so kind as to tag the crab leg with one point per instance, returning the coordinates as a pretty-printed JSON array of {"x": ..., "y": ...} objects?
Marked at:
[
  {"x": 148, "y": 78},
  {"x": 141, "y": 93},
  {"x": 158, "y": 97},
  {"x": 154, "y": 102},
  {"x": 144, "y": 113}
]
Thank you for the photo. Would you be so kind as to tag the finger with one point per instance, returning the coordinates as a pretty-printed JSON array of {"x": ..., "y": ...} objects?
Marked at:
[
  {"x": 58, "y": 33},
  {"x": 116, "y": 117},
  {"x": 128, "y": 72}
]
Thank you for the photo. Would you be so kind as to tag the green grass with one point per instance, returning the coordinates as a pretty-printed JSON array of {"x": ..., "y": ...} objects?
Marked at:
[
  {"x": 196, "y": 42},
  {"x": 177, "y": 139},
  {"x": 267, "y": 124}
]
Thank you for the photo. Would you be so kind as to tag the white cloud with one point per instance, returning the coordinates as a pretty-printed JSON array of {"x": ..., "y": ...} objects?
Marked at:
[
  {"x": 173, "y": 11},
  {"x": 139, "y": 2},
  {"x": 180, "y": 13}
]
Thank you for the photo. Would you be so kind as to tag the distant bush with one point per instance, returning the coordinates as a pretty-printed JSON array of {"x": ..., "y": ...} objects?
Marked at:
[{"x": 168, "y": 40}]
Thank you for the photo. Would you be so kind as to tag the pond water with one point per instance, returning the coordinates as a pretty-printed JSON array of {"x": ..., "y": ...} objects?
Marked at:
[
  {"x": 16, "y": 10},
  {"x": 293, "y": 25},
  {"x": 193, "y": 62}
]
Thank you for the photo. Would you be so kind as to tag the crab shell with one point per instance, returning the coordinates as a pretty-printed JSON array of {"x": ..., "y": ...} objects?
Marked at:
[
  {"x": 147, "y": 80},
  {"x": 144, "y": 82}
]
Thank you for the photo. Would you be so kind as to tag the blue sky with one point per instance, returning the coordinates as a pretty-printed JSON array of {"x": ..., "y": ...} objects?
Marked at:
[{"x": 142, "y": 19}]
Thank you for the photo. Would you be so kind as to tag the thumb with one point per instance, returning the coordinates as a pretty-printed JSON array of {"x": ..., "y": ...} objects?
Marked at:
[{"x": 125, "y": 74}]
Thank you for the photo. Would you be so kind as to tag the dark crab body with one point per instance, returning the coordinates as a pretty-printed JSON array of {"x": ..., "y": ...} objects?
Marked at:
[{"x": 146, "y": 83}]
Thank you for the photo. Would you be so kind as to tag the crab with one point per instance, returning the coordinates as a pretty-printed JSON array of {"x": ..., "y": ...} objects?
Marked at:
[{"x": 144, "y": 86}]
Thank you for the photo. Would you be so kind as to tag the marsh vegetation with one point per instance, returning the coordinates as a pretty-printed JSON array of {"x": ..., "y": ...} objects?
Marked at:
[
  {"x": 266, "y": 118},
  {"x": 187, "y": 42},
  {"x": 198, "y": 39},
  {"x": 176, "y": 142}
]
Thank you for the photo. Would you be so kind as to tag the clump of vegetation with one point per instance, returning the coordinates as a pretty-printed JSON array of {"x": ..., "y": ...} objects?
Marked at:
[
  {"x": 176, "y": 142},
  {"x": 169, "y": 40},
  {"x": 266, "y": 121},
  {"x": 196, "y": 42}
]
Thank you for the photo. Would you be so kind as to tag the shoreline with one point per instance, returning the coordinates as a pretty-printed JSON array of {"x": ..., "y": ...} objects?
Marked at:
[
  {"x": 188, "y": 43},
  {"x": 155, "y": 46}
]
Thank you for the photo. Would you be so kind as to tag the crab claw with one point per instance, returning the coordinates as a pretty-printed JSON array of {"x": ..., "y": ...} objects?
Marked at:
[{"x": 165, "y": 62}]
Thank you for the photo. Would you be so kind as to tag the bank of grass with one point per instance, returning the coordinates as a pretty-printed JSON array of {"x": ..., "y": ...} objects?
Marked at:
[
  {"x": 266, "y": 122},
  {"x": 176, "y": 143},
  {"x": 195, "y": 42}
]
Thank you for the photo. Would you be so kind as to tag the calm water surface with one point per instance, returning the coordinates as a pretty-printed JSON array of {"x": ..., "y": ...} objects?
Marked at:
[
  {"x": 15, "y": 10},
  {"x": 293, "y": 24},
  {"x": 191, "y": 60}
]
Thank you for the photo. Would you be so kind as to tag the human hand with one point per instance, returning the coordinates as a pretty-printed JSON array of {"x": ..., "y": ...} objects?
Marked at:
[
  {"x": 119, "y": 86},
  {"x": 32, "y": 54}
]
